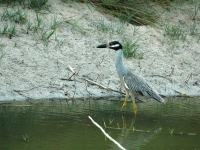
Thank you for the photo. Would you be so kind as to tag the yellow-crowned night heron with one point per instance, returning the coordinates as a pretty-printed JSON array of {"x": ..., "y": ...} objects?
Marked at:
[{"x": 133, "y": 84}]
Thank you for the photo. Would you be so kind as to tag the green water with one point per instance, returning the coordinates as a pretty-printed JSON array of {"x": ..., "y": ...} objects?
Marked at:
[{"x": 61, "y": 125}]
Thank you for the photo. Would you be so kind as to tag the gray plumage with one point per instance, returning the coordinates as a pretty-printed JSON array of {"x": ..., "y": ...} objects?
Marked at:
[{"x": 138, "y": 85}]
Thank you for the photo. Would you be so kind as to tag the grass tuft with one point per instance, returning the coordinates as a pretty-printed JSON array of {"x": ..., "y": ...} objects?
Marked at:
[
  {"x": 75, "y": 25},
  {"x": 130, "y": 49},
  {"x": 38, "y": 4},
  {"x": 15, "y": 15},
  {"x": 55, "y": 23},
  {"x": 9, "y": 31},
  {"x": 106, "y": 27},
  {"x": 133, "y": 11},
  {"x": 175, "y": 32}
]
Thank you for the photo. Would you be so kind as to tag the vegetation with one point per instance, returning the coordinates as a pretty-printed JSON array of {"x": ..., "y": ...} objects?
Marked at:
[
  {"x": 130, "y": 49},
  {"x": 9, "y": 31},
  {"x": 37, "y": 4},
  {"x": 15, "y": 15},
  {"x": 114, "y": 28},
  {"x": 133, "y": 11},
  {"x": 32, "y": 4},
  {"x": 175, "y": 32},
  {"x": 26, "y": 137}
]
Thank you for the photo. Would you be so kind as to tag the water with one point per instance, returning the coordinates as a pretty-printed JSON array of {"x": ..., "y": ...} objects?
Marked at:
[{"x": 51, "y": 125}]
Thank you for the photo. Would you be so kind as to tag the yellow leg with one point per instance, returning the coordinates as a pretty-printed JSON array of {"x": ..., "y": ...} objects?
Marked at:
[
  {"x": 134, "y": 104},
  {"x": 134, "y": 107},
  {"x": 125, "y": 101}
]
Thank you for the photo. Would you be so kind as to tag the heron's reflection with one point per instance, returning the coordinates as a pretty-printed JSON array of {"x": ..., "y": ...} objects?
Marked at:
[
  {"x": 130, "y": 137},
  {"x": 127, "y": 127}
]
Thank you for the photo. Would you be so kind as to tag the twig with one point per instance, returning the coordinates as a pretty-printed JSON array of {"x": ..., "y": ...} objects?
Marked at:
[
  {"x": 25, "y": 90},
  {"x": 106, "y": 134},
  {"x": 109, "y": 89},
  {"x": 184, "y": 95},
  {"x": 188, "y": 78},
  {"x": 71, "y": 76},
  {"x": 71, "y": 69},
  {"x": 162, "y": 77},
  {"x": 172, "y": 71},
  {"x": 97, "y": 65},
  {"x": 20, "y": 92},
  {"x": 70, "y": 79}
]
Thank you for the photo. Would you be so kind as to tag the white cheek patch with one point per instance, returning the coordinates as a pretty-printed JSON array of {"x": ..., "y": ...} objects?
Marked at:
[{"x": 116, "y": 45}]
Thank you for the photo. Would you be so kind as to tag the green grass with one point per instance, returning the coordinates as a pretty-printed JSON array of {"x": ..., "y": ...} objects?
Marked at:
[
  {"x": 119, "y": 28},
  {"x": 131, "y": 49},
  {"x": 198, "y": 38},
  {"x": 193, "y": 30},
  {"x": 9, "y": 31},
  {"x": 1, "y": 57},
  {"x": 32, "y": 4},
  {"x": 111, "y": 27},
  {"x": 133, "y": 11},
  {"x": 46, "y": 34},
  {"x": 11, "y": 1},
  {"x": 15, "y": 14},
  {"x": 38, "y": 4},
  {"x": 175, "y": 32},
  {"x": 54, "y": 23},
  {"x": 38, "y": 23},
  {"x": 76, "y": 25},
  {"x": 103, "y": 26},
  {"x": 194, "y": 12},
  {"x": 1, "y": 50}
]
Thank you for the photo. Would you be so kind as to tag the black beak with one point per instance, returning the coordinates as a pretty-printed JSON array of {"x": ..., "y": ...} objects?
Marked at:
[{"x": 102, "y": 46}]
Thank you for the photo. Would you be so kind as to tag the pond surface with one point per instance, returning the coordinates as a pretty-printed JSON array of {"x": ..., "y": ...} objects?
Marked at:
[{"x": 61, "y": 125}]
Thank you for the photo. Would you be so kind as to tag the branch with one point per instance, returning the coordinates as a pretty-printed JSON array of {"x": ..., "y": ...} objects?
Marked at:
[
  {"x": 107, "y": 88},
  {"x": 72, "y": 70},
  {"x": 106, "y": 134}
]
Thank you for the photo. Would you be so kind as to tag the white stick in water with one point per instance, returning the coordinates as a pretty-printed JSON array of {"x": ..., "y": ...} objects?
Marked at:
[{"x": 108, "y": 136}]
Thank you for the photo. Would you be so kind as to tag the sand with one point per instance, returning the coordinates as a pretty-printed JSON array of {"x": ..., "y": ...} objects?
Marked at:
[{"x": 31, "y": 68}]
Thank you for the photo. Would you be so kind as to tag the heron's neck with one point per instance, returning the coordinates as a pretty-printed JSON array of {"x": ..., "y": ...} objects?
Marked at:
[{"x": 121, "y": 69}]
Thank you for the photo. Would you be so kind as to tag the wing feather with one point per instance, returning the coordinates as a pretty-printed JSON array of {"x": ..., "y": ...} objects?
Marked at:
[{"x": 137, "y": 84}]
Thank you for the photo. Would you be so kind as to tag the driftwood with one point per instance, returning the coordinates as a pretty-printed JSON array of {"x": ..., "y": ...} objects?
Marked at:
[
  {"x": 107, "y": 88},
  {"x": 92, "y": 82}
]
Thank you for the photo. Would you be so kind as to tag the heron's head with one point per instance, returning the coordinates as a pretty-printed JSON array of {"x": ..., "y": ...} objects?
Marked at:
[{"x": 115, "y": 45}]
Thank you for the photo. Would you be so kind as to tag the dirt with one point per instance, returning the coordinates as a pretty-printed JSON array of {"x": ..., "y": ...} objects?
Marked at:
[{"x": 31, "y": 68}]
